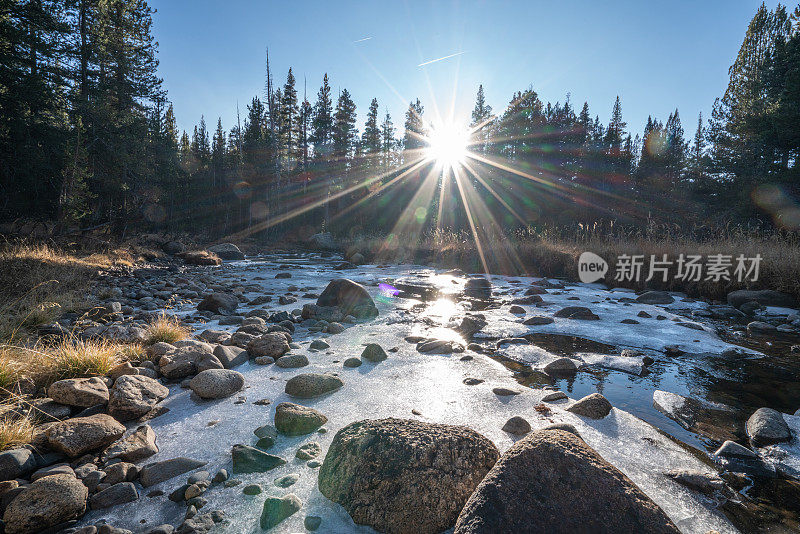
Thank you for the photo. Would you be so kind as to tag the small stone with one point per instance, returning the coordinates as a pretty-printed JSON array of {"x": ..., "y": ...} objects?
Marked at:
[
  {"x": 221, "y": 476},
  {"x": 503, "y": 392},
  {"x": 537, "y": 320},
  {"x": 352, "y": 362},
  {"x": 296, "y": 420},
  {"x": 373, "y": 353},
  {"x": 517, "y": 425},
  {"x": 292, "y": 361},
  {"x": 594, "y": 406},
  {"x": 287, "y": 480},
  {"x": 318, "y": 344},
  {"x": 248, "y": 459},
  {"x": 276, "y": 509},
  {"x": 561, "y": 366},
  {"x": 312, "y": 522},
  {"x": 556, "y": 395},
  {"x": 309, "y": 385},
  {"x": 252, "y": 489},
  {"x": 473, "y": 381},
  {"x": 308, "y": 451}
]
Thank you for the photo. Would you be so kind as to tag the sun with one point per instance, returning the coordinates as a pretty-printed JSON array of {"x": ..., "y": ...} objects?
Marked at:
[{"x": 447, "y": 144}]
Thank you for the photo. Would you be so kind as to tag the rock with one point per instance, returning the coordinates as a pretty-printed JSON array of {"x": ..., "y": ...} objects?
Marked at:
[
  {"x": 731, "y": 449},
  {"x": 120, "y": 472},
  {"x": 471, "y": 325},
  {"x": 312, "y": 522},
  {"x": 318, "y": 344},
  {"x": 16, "y": 463},
  {"x": 324, "y": 241},
  {"x": 308, "y": 451},
  {"x": 180, "y": 362},
  {"x": 352, "y": 362},
  {"x": 479, "y": 288},
  {"x": 80, "y": 435},
  {"x": 272, "y": 344},
  {"x": 561, "y": 366},
  {"x": 765, "y": 297},
  {"x": 594, "y": 406},
  {"x": 132, "y": 396},
  {"x": 503, "y": 392},
  {"x": 517, "y": 425},
  {"x": 231, "y": 356},
  {"x": 373, "y": 353},
  {"x": 200, "y": 257},
  {"x": 551, "y": 481},
  {"x": 296, "y": 420},
  {"x": 440, "y": 346},
  {"x": 276, "y": 509},
  {"x": 398, "y": 475},
  {"x": 226, "y": 251},
  {"x": 80, "y": 392},
  {"x": 349, "y": 297},
  {"x": 309, "y": 385},
  {"x": 766, "y": 427},
  {"x": 287, "y": 480},
  {"x": 554, "y": 396},
  {"x": 252, "y": 489},
  {"x": 248, "y": 459},
  {"x": 154, "y": 473},
  {"x": 292, "y": 361},
  {"x": 707, "y": 483},
  {"x": 577, "y": 312},
  {"x": 136, "y": 446},
  {"x": 221, "y": 476},
  {"x": 112, "y": 496},
  {"x": 45, "y": 503},
  {"x": 655, "y": 297},
  {"x": 208, "y": 361},
  {"x": 760, "y": 328},
  {"x": 201, "y": 523},
  {"x": 537, "y": 320},
  {"x": 173, "y": 247},
  {"x": 264, "y": 360},
  {"x": 219, "y": 303},
  {"x": 566, "y": 427},
  {"x": 217, "y": 383}
]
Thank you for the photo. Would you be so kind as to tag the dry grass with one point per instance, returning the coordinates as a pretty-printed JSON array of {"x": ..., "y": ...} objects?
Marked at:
[
  {"x": 167, "y": 329},
  {"x": 15, "y": 431},
  {"x": 554, "y": 252}
]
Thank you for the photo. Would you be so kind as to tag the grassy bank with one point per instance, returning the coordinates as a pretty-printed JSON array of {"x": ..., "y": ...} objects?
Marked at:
[{"x": 554, "y": 253}]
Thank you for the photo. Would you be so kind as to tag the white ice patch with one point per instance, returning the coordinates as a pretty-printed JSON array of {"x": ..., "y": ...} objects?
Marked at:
[{"x": 785, "y": 456}]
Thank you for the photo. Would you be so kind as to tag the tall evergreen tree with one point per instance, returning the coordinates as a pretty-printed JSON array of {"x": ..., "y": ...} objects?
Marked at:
[
  {"x": 344, "y": 126},
  {"x": 413, "y": 138},
  {"x": 371, "y": 140},
  {"x": 322, "y": 120},
  {"x": 289, "y": 122}
]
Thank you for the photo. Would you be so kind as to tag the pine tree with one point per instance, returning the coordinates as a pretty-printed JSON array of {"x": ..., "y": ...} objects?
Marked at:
[
  {"x": 306, "y": 112},
  {"x": 371, "y": 140},
  {"x": 289, "y": 119},
  {"x": 322, "y": 121},
  {"x": 413, "y": 138},
  {"x": 344, "y": 126},
  {"x": 388, "y": 141},
  {"x": 675, "y": 153},
  {"x": 218, "y": 148},
  {"x": 481, "y": 121},
  {"x": 615, "y": 131}
]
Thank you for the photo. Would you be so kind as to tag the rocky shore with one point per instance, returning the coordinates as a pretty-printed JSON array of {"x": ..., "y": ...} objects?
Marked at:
[{"x": 315, "y": 394}]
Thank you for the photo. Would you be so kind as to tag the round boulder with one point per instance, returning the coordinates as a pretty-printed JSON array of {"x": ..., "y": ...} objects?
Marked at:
[
  {"x": 272, "y": 344},
  {"x": 132, "y": 396},
  {"x": 349, "y": 297},
  {"x": 220, "y": 303},
  {"x": 552, "y": 481},
  {"x": 80, "y": 392},
  {"x": 309, "y": 385},
  {"x": 80, "y": 435},
  {"x": 398, "y": 475},
  {"x": 45, "y": 503},
  {"x": 217, "y": 383}
]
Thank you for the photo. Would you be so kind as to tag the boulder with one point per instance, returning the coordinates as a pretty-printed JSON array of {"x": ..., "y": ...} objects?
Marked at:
[
  {"x": 537, "y": 320},
  {"x": 765, "y": 297},
  {"x": 226, "y": 251},
  {"x": 80, "y": 392},
  {"x": 594, "y": 406},
  {"x": 248, "y": 459},
  {"x": 324, "y": 240},
  {"x": 373, "y": 353},
  {"x": 655, "y": 297},
  {"x": 561, "y": 366},
  {"x": 766, "y": 427},
  {"x": 217, "y": 383},
  {"x": 16, "y": 463},
  {"x": 219, "y": 303},
  {"x": 272, "y": 344},
  {"x": 398, "y": 475},
  {"x": 80, "y": 435},
  {"x": 230, "y": 356},
  {"x": 296, "y": 420},
  {"x": 577, "y": 312},
  {"x": 292, "y": 361},
  {"x": 45, "y": 503},
  {"x": 154, "y": 473},
  {"x": 137, "y": 445},
  {"x": 479, "y": 288},
  {"x": 276, "y": 509},
  {"x": 119, "y": 493},
  {"x": 132, "y": 396},
  {"x": 181, "y": 362},
  {"x": 309, "y": 385},
  {"x": 552, "y": 481},
  {"x": 349, "y": 297}
]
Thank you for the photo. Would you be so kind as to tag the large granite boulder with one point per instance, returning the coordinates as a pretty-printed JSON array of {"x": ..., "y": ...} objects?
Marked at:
[
  {"x": 766, "y": 427},
  {"x": 138, "y": 445},
  {"x": 296, "y": 420},
  {"x": 309, "y": 385},
  {"x": 217, "y": 383},
  {"x": 47, "y": 502},
  {"x": 80, "y": 435},
  {"x": 226, "y": 251},
  {"x": 272, "y": 344},
  {"x": 220, "y": 303},
  {"x": 349, "y": 297},
  {"x": 552, "y": 481},
  {"x": 132, "y": 396},
  {"x": 80, "y": 392},
  {"x": 404, "y": 476}
]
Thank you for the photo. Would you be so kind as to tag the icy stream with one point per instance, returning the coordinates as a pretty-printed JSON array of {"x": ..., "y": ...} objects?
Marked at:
[{"x": 432, "y": 385}]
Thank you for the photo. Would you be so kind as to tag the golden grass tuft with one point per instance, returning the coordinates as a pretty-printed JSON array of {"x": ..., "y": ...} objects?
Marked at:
[
  {"x": 78, "y": 359},
  {"x": 15, "y": 431},
  {"x": 167, "y": 329}
]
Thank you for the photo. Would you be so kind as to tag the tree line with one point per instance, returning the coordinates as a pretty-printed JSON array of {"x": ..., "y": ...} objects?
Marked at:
[{"x": 88, "y": 137}]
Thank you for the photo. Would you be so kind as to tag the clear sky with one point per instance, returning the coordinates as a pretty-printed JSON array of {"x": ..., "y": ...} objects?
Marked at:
[{"x": 655, "y": 55}]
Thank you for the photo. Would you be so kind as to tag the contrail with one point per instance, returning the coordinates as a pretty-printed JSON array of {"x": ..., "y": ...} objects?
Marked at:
[
  {"x": 440, "y": 59},
  {"x": 362, "y": 40}
]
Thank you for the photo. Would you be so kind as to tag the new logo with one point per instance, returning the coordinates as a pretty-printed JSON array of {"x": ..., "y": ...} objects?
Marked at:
[{"x": 591, "y": 267}]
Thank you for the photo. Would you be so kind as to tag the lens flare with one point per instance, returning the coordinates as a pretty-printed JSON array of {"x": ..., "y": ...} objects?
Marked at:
[{"x": 447, "y": 144}]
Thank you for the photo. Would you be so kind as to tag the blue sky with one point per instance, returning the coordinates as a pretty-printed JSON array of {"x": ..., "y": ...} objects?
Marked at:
[{"x": 656, "y": 55}]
